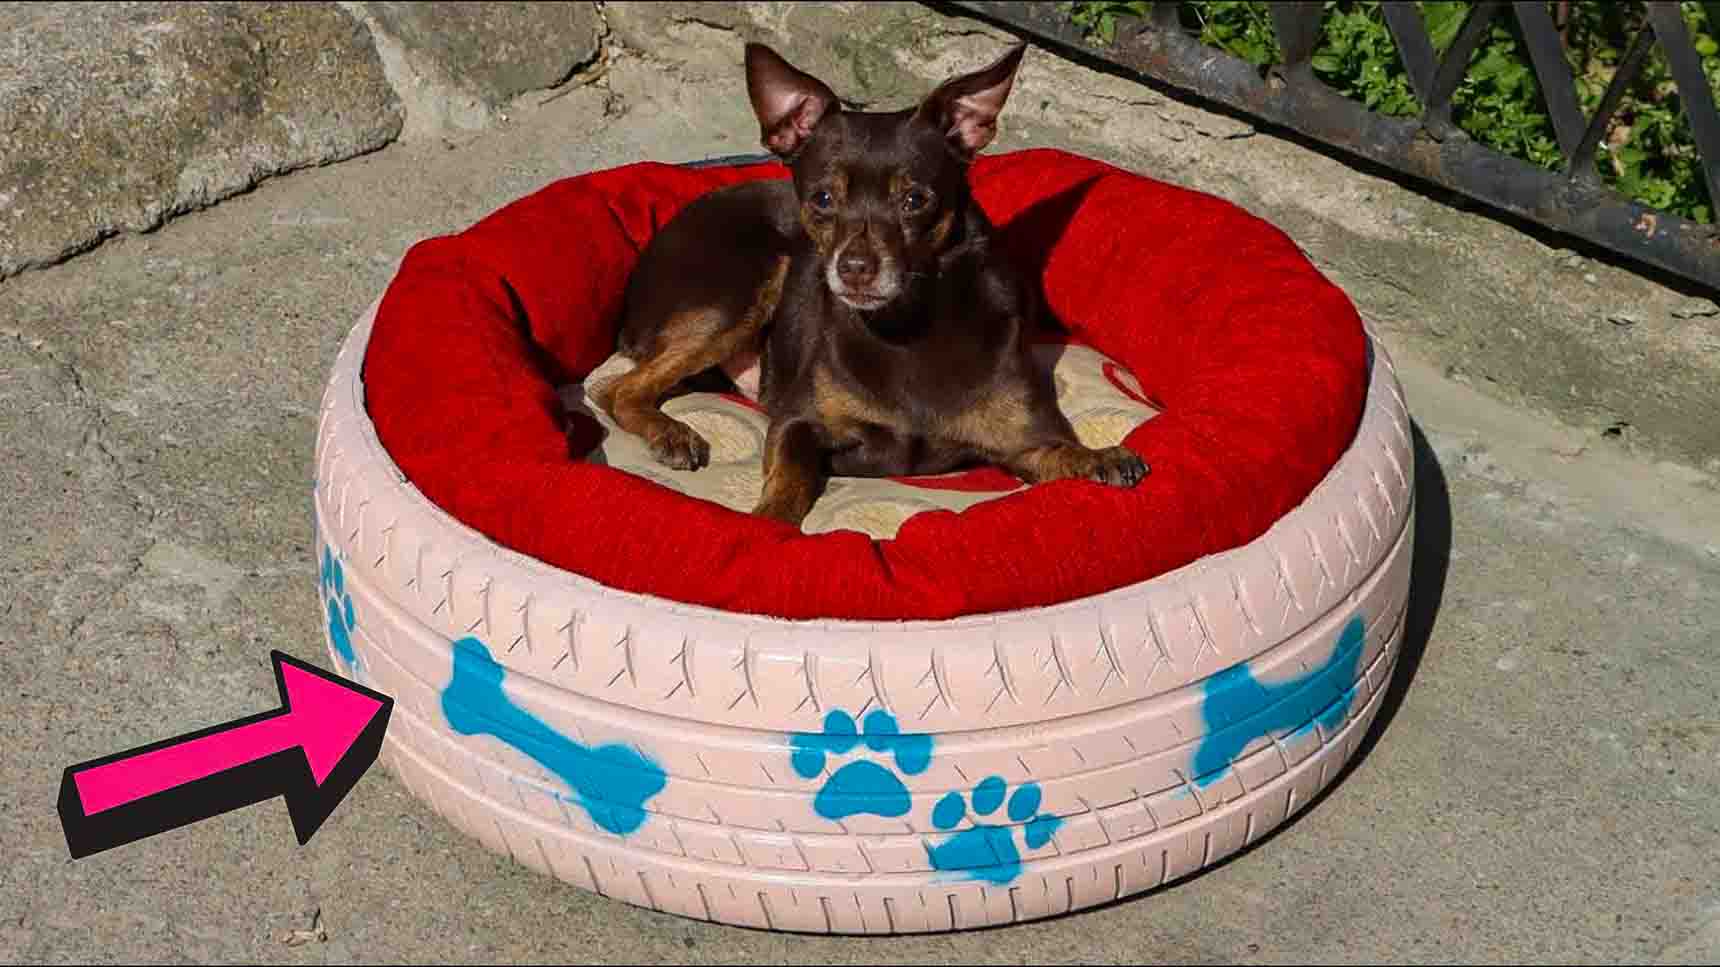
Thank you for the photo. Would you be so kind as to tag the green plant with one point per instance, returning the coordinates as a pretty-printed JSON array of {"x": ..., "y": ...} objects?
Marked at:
[
  {"x": 1647, "y": 154},
  {"x": 1099, "y": 19},
  {"x": 1243, "y": 28}
]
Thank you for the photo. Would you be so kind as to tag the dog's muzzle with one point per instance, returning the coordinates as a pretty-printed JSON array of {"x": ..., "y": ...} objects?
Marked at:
[{"x": 861, "y": 277}]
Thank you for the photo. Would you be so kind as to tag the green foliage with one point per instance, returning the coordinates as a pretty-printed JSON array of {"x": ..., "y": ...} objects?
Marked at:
[
  {"x": 1647, "y": 154},
  {"x": 1099, "y": 19},
  {"x": 1243, "y": 28}
]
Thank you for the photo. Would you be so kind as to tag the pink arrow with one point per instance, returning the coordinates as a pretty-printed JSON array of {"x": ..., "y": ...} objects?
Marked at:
[{"x": 313, "y": 749}]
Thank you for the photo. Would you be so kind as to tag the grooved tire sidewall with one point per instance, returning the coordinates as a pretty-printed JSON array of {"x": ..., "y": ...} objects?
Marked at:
[{"x": 1104, "y": 704}]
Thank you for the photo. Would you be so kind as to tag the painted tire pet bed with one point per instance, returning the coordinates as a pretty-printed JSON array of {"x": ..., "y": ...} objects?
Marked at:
[{"x": 982, "y": 703}]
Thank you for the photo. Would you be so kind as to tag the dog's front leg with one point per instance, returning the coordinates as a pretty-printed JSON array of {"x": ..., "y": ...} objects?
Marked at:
[
  {"x": 634, "y": 400},
  {"x": 793, "y": 471},
  {"x": 1021, "y": 429},
  {"x": 685, "y": 343},
  {"x": 1116, "y": 466}
]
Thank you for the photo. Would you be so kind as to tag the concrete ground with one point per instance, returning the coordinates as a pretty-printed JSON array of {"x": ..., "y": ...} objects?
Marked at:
[{"x": 1543, "y": 786}]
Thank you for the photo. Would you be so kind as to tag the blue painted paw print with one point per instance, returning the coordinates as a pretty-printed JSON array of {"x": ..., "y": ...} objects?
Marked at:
[
  {"x": 341, "y": 620},
  {"x": 862, "y": 786},
  {"x": 987, "y": 851}
]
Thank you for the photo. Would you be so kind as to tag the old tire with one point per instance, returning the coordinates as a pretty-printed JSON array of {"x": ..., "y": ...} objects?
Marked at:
[{"x": 854, "y": 776}]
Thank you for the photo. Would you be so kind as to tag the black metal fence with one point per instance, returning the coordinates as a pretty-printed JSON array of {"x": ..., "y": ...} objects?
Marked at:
[{"x": 1573, "y": 200}]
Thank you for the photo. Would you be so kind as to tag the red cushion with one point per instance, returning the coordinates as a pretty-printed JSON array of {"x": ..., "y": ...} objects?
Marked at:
[{"x": 1258, "y": 361}]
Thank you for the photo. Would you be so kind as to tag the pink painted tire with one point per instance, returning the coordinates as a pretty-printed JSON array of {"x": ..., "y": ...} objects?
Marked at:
[{"x": 1008, "y": 766}]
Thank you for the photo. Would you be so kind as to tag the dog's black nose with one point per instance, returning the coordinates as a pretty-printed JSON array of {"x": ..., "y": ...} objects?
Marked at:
[{"x": 857, "y": 268}]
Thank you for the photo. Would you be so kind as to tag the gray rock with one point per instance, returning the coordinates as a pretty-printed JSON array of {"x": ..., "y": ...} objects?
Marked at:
[
  {"x": 497, "y": 50},
  {"x": 1695, "y": 308},
  {"x": 860, "y": 49},
  {"x": 117, "y": 116},
  {"x": 456, "y": 65}
]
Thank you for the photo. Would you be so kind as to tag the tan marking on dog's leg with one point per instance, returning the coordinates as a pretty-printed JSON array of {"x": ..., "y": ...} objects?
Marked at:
[
  {"x": 1116, "y": 466},
  {"x": 843, "y": 412},
  {"x": 793, "y": 472},
  {"x": 1040, "y": 447},
  {"x": 690, "y": 343},
  {"x": 1001, "y": 423}
]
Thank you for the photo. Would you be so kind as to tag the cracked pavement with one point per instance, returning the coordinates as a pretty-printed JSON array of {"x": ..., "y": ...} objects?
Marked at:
[{"x": 1545, "y": 787}]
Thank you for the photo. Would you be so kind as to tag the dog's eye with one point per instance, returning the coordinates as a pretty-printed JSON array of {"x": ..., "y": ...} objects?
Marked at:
[
  {"x": 822, "y": 201},
  {"x": 916, "y": 200}
]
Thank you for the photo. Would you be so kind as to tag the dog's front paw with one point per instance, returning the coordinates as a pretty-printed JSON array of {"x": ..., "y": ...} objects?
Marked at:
[
  {"x": 680, "y": 447},
  {"x": 1117, "y": 467},
  {"x": 787, "y": 498},
  {"x": 778, "y": 510}
]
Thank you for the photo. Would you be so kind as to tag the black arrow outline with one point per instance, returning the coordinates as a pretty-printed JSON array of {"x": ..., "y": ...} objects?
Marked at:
[{"x": 284, "y": 773}]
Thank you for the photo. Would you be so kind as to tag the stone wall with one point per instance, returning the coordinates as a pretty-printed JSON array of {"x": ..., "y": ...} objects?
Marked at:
[{"x": 117, "y": 116}]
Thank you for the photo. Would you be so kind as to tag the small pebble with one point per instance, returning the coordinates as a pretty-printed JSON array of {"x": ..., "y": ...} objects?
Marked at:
[
  {"x": 1695, "y": 308},
  {"x": 1624, "y": 319},
  {"x": 298, "y": 937}
]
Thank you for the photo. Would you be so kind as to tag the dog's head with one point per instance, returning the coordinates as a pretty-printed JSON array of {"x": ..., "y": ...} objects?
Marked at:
[{"x": 881, "y": 194}]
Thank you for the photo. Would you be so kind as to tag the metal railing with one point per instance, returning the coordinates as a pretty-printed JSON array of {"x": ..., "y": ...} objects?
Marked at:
[{"x": 1573, "y": 200}]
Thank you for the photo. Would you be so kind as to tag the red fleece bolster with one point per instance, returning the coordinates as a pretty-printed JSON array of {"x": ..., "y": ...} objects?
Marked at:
[{"x": 1257, "y": 359}]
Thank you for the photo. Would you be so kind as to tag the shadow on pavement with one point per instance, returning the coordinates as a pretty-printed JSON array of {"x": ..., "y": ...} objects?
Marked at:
[{"x": 1429, "y": 560}]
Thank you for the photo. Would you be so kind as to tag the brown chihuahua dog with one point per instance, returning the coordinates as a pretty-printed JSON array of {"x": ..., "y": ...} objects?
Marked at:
[{"x": 885, "y": 334}]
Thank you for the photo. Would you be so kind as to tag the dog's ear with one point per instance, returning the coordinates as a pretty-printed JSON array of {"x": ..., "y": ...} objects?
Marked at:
[
  {"x": 965, "y": 108},
  {"x": 788, "y": 101}
]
